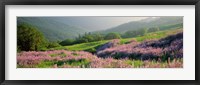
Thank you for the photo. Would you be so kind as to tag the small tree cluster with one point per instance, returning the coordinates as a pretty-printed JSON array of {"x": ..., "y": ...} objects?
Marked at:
[
  {"x": 29, "y": 38},
  {"x": 153, "y": 29},
  {"x": 134, "y": 33},
  {"x": 90, "y": 37},
  {"x": 112, "y": 36},
  {"x": 139, "y": 32}
]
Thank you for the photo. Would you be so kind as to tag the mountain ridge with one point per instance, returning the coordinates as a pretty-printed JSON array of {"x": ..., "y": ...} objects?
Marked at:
[{"x": 145, "y": 23}]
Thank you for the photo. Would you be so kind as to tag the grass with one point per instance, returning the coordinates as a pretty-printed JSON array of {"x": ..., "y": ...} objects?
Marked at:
[
  {"x": 49, "y": 64},
  {"x": 81, "y": 62},
  {"x": 45, "y": 64},
  {"x": 59, "y": 54},
  {"x": 135, "y": 63},
  {"x": 154, "y": 35},
  {"x": 92, "y": 46}
]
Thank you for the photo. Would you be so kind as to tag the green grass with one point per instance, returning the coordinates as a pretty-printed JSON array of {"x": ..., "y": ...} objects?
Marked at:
[
  {"x": 157, "y": 35},
  {"x": 59, "y": 54},
  {"x": 92, "y": 46},
  {"x": 45, "y": 64},
  {"x": 135, "y": 63},
  {"x": 81, "y": 62},
  {"x": 154, "y": 35},
  {"x": 49, "y": 64}
]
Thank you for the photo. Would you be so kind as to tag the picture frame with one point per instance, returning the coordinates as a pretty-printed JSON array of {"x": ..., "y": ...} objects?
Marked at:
[{"x": 98, "y": 2}]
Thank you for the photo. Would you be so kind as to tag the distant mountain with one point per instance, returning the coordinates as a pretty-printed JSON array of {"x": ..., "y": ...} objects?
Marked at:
[
  {"x": 95, "y": 23},
  {"x": 147, "y": 23},
  {"x": 52, "y": 29},
  {"x": 61, "y": 28}
]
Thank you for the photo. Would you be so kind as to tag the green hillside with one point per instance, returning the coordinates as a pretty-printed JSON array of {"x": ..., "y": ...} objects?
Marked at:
[
  {"x": 163, "y": 23},
  {"x": 92, "y": 46},
  {"x": 52, "y": 29}
]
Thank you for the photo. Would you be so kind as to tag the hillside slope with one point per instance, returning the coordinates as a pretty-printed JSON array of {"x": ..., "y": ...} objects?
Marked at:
[
  {"x": 168, "y": 47},
  {"x": 94, "y": 46},
  {"x": 162, "y": 22},
  {"x": 52, "y": 29}
]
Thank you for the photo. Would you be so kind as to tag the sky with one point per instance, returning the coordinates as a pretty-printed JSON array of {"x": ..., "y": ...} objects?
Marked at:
[{"x": 98, "y": 22}]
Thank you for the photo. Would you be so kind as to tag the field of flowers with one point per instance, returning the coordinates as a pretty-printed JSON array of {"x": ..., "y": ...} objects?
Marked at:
[
  {"x": 155, "y": 53},
  {"x": 68, "y": 59},
  {"x": 169, "y": 47}
]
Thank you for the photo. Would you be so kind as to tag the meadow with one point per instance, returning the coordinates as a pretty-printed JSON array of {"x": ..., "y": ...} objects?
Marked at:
[{"x": 160, "y": 49}]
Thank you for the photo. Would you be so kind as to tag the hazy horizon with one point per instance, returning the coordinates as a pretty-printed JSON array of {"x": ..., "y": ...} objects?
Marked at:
[
  {"x": 94, "y": 23},
  {"x": 62, "y": 27},
  {"x": 99, "y": 22}
]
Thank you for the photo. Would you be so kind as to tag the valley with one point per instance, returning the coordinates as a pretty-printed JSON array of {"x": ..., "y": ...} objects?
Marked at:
[{"x": 146, "y": 43}]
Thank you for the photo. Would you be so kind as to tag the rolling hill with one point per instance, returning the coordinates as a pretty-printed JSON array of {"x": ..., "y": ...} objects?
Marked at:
[
  {"x": 52, "y": 29},
  {"x": 61, "y": 28},
  {"x": 92, "y": 46},
  {"x": 162, "y": 22}
]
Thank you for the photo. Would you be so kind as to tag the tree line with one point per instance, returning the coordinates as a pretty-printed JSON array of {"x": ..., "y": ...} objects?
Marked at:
[{"x": 92, "y": 37}]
